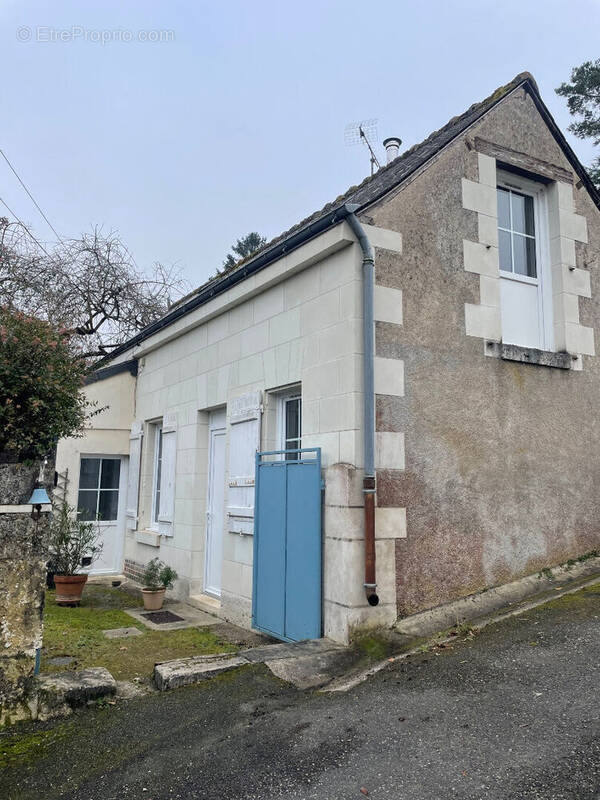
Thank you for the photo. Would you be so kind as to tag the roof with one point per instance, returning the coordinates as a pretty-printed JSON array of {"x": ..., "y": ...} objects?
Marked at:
[
  {"x": 372, "y": 189},
  {"x": 388, "y": 177},
  {"x": 103, "y": 373}
]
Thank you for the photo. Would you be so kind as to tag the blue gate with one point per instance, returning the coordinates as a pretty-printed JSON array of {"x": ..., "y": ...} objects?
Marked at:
[{"x": 286, "y": 594}]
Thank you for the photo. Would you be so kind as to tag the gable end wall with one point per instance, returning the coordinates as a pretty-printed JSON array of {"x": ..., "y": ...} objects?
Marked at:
[{"x": 501, "y": 459}]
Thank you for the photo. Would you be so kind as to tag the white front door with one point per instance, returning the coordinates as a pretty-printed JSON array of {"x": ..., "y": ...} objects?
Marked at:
[
  {"x": 101, "y": 498},
  {"x": 215, "y": 504}
]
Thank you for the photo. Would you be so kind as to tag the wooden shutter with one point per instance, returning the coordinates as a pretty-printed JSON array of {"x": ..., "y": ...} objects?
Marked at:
[
  {"x": 133, "y": 475},
  {"x": 244, "y": 441},
  {"x": 166, "y": 512}
]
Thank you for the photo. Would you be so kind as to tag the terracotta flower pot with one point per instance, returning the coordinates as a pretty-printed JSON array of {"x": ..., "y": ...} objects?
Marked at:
[
  {"x": 153, "y": 599},
  {"x": 69, "y": 589}
]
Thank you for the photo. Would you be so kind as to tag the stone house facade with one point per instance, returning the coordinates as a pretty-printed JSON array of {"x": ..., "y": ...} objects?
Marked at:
[{"x": 486, "y": 242}]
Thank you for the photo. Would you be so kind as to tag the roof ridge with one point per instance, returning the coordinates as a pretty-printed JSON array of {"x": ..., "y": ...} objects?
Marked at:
[
  {"x": 455, "y": 121},
  {"x": 371, "y": 190}
]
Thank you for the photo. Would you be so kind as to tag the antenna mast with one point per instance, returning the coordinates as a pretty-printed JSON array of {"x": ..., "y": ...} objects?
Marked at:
[
  {"x": 364, "y": 132},
  {"x": 373, "y": 159}
]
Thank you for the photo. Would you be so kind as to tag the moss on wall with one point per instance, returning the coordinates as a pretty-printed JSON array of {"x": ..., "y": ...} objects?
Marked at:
[{"x": 23, "y": 555}]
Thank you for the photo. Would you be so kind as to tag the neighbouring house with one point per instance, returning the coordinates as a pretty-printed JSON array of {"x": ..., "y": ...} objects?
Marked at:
[
  {"x": 92, "y": 469},
  {"x": 435, "y": 428}
]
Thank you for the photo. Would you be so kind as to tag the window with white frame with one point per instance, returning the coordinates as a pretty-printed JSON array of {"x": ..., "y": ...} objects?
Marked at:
[
  {"x": 516, "y": 232},
  {"x": 98, "y": 497},
  {"x": 158, "y": 442},
  {"x": 525, "y": 278},
  {"x": 290, "y": 424}
]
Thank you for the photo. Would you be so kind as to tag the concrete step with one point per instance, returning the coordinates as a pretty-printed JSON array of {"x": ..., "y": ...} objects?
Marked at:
[
  {"x": 271, "y": 652},
  {"x": 311, "y": 657},
  {"x": 185, "y": 671},
  {"x": 59, "y": 693},
  {"x": 205, "y": 602}
]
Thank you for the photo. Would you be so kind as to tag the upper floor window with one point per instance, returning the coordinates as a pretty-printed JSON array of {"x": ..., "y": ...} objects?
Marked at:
[
  {"x": 516, "y": 233},
  {"x": 525, "y": 278}
]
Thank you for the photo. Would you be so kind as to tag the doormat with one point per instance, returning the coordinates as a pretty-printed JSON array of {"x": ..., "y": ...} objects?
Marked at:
[{"x": 162, "y": 617}]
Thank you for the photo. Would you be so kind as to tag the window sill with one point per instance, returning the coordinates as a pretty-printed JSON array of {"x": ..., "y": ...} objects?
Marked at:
[
  {"x": 529, "y": 355},
  {"x": 151, "y": 538}
]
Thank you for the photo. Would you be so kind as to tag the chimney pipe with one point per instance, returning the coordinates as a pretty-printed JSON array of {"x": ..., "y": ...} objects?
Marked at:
[{"x": 392, "y": 147}]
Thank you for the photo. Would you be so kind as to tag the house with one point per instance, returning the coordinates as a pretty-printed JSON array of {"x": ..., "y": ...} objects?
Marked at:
[{"x": 423, "y": 351}]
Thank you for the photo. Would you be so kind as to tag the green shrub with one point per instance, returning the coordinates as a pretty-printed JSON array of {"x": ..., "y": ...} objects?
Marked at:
[
  {"x": 40, "y": 383},
  {"x": 158, "y": 575}
]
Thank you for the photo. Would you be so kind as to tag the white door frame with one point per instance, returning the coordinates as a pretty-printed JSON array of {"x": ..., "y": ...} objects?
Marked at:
[
  {"x": 543, "y": 281},
  {"x": 216, "y": 428},
  {"x": 119, "y": 523}
]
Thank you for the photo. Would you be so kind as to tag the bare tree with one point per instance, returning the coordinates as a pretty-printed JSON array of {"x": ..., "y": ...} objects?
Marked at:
[{"x": 90, "y": 286}]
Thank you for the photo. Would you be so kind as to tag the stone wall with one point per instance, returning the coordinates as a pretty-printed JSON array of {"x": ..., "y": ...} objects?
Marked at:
[
  {"x": 502, "y": 459},
  {"x": 23, "y": 556}
]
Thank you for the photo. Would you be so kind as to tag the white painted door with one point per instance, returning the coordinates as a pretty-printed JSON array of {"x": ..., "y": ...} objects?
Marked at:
[
  {"x": 102, "y": 495},
  {"x": 215, "y": 505}
]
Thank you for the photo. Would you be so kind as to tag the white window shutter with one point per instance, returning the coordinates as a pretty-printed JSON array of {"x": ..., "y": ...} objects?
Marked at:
[
  {"x": 166, "y": 512},
  {"x": 244, "y": 441},
  {"x": 133, "y": 475}
]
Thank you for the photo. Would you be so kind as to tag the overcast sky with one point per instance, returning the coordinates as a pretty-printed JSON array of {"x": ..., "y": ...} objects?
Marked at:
[{"x": 235, "y": 120}]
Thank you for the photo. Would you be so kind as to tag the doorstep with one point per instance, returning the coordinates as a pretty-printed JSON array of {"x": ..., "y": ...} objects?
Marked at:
[{"x": 205, "y": 602}]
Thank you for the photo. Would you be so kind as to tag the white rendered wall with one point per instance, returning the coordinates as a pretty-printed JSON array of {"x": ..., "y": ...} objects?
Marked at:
[
  {"x": 305, "y": 329},
  {"x": 106, "y": 433}
]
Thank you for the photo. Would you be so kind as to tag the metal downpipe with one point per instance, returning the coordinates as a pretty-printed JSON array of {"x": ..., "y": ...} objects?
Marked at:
[{"x": 368, "y": 269}]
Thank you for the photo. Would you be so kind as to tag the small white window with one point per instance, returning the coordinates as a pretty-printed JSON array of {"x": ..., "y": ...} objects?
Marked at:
[
  {"x": 290, "y": 424},
  {"x": 158, "y": 440},
  {"x": 516, "y": 232},
  {"x": 99, "y": 489},
  {"x": 525, "y": 285}
]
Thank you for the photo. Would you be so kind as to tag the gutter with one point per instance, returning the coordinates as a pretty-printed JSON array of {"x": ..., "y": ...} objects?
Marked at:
[
  {"x": 369, "y": 489},
  {"x": 102, "y": 373}
]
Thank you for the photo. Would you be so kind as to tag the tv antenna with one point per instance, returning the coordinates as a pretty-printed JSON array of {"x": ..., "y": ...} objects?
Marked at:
[{"x": 363, "y": 132}]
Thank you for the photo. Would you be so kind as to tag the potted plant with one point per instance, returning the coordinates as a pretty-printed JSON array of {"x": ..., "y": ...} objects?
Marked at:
[
  {"x": 71, "y": 540},
  {"x": 157, "y": 578}
]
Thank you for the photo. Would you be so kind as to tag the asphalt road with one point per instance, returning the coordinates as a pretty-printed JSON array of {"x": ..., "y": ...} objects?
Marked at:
[{"x": 510, "y": 713}]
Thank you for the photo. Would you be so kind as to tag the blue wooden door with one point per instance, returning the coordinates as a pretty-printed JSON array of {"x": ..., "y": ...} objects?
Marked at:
[{"x": 286, "y": 600}]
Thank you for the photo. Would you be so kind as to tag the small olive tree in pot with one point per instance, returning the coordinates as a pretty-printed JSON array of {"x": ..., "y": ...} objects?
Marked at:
[
  {"x": 71, "y": 540},
  {"x": 157, "y": 578}
]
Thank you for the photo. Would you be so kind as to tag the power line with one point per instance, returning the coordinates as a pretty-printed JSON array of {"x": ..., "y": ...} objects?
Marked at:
[
  {"x": 33, "y": 200},
  {"x": 22, "y": 224}
]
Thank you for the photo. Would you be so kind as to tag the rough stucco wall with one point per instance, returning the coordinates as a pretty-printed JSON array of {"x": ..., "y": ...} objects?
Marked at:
[
  {"x": 502, "y": 459},
  {"x": 23, "y": 555}
]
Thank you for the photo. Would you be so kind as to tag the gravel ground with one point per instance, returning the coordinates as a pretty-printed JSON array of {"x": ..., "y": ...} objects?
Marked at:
[{"x": 511, "y": 712}]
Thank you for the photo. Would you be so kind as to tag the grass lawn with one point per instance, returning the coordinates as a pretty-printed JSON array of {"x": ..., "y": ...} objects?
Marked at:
[{"x": 77, "y": 632}]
